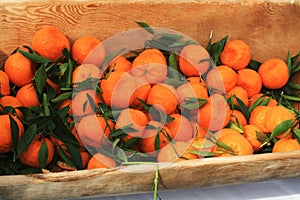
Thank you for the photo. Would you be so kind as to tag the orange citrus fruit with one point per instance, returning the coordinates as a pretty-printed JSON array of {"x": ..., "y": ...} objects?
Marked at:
[
  {"x": 84, "y": 72},
  {"x": 118, "y": 89},
  {"x": 172, "y": 152},
  {"x": 5, "y": 133},
  {"x": 49, "y": 42},
  {"x": 222, "y": 77},
  {"x": 194, "y": 60},
  {"x": 93, "y": 131},
  {"x": 136, "y": 119},
  {"x": 19, "y": 69},
  {"x": 286, "y": 144},
  {"x": 250, "y": 81},
  {"x": 276, "y": 115},
  {"x": 215, "y": 114},
  {"x": 120, "y": 64},
  {"x": 87, "y": 49},
  {"x": 81, "y": 104},
  {"x": 236, "y": 54},
  {"x": 13, "y": 102},
  {"x": 255, "y": 97},
  {"x": 150, "y": 65},
  {"x": 164, "y": 97},
  {"x": 237, "y": 116},
  {"x": 27, "y": 96},
  {"x": 274, "y": 73},
  {"x": 153, "y": 130},
  {"x": 240, "y": 93},
  {"x": 250, "y": 133},
  {"x": 100, "y": 161},
  {"x": 258, "y": 117},
  {"x": 30, "y": 156},
  {"x": 4, "y": 83},
  {"x": 181, "y": 128}
]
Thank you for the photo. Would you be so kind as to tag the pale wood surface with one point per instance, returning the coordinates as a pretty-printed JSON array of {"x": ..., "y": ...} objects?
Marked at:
[
  {"x": 271, "y": 28},
  {"x": 181, "y": 175}
]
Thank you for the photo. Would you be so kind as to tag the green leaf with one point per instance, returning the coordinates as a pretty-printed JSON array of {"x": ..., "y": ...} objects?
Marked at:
[
  {"x": 261, "y": 137},
  {"x": 63, "y": 68},
  {"x": 14, "y": 129},
  {"x": 62, "y": 97},
  {"x": 289, "y": 62},
  {"x": 254, "y": 65},
  {"x": 34, "y": 57},
  {"x": 182, "y": 43},
  {"x": 281, "y": 128},
  {"x": 292, "y": 98},
  {"x": 157, "y": 141},
  {"x": 172, "y": 61},
  {"x": 297, "y": 134},
  {"x": 175, "y": 82},
  {"x": 131, "y": 143},
  {"x": 122, "y": 155},
  {"x": 26, "y": 139},
  {"x": 43, "y": 155},
  {"x": 145, "y": 26},
  {"x": 224, "y": 146},
  {"x": 243, "y": 108},
  {"x": 256, "y": 103},
  {"x": 65, "y": 157},
  {"x": 193, "y": 103},
  {"x": 170, "y": 36},
  {"x": 40, "y": 78},
  {"x": 216, "y": 49},
  {"x": 76, "y": 156}
]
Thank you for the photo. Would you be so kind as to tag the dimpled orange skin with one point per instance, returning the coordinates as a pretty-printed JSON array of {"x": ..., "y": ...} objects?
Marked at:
[
  {"x": 215, "y": 114},
  {"x": 222, "y": 75},
  {"x": 4, "y": 83},
  {"x": 150, "y": 65},
  {"x": 236, "y": 54},
  {"x": 258, "y": 117},
  {"x": 49, "y": 42},
  {"x": 27, "y": 96},
  {"x": 83, "y": 46},
  {"x": 237, "y": 115},
  {"x": 100, "y": 161},
  {"x": 163, "y": 96},
  {"x": 120, "y": 64},
  {"x": 286, "y": 144},
  {"x": 5, "y": 133},
  {"x": 250, "y": 133},
  {"x": 274, "y": 73},
  {"x": 181, "y": 128},
  {"x": 240, "y": 93},
  {"x": 30, "y": 156},
  {"x": 276, "y": 115},
  {"x": 13, "y": 102},
  {"x": 19, "y": 69},
  {"x": 250, "y": 81},
  {"x": 84, "y": 72},
  {"x": 193, "y": 60}
]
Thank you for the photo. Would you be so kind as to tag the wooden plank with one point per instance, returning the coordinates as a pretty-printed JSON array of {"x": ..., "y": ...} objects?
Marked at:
[
  {"x": 125, "y": 180},
  {"x": 271, "y": 28}
]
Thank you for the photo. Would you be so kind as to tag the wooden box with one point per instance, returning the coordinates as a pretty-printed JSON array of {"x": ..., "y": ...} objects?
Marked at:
[{"x": 271, "y": 28}]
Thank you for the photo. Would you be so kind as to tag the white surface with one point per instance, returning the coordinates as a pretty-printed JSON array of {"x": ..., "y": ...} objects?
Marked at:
[{"x": 287, "y": 189}]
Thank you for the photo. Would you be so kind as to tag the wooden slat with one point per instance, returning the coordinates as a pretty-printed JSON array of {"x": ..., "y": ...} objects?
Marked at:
[{"x": 181, "y": 175}]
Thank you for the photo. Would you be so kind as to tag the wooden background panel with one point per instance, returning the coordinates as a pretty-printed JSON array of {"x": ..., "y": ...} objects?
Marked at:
[{"x": 270, "y": 28}]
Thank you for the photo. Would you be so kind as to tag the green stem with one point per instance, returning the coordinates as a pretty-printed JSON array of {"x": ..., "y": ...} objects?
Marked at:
[{"x": 45, "y": 103}]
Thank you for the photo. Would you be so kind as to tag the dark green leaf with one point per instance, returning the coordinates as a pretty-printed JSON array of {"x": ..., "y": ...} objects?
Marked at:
[
  {"x": 145, "y": 26},
  {"x": 157, "y": 141},
  {"x": 256, "y": 103},
  {"x": 172, "y": 61},
  {"x": 63, "y": 68},
  {"x": 281, "y": 128},
  {"x": 175, "y": 82},
  {"x": 76, "y": 156},
  {"x": 292, "y": 98},
  {"x": 254, "y": 65},
  {"x": 65, "y": 157},
  {"x": 34, "y": 57},
  {"x": 224, "y": 146},
  {"x": 289, "y": 62},
  {"x": 118, "y": 133},
  {"x": 182, "y": 43},
  {"x": 243, "y": 108},
  {"x": 40, "y": 78},
  {"x": 26, "y": 139},
  {"x": 131, "y": 143},
  {"x": 14, "y": 129},
  {"x": 62, "y": 97},
  {"x": 43, "y": 155},
  {"x": 297, "y": 134},
  {"x": 170, "y": 36}
]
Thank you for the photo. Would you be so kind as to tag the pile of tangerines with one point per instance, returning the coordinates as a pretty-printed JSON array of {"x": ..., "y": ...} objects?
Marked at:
[{"x": 68, "y": 107}]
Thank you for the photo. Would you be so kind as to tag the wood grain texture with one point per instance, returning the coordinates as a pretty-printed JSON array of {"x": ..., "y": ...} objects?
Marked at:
[
  {"x": 181, "y": 175},
  {"x": 271, "y": 28}
]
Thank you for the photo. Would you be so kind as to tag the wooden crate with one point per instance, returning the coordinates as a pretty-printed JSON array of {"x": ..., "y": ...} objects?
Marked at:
[{"x": 271, "y": 28}]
